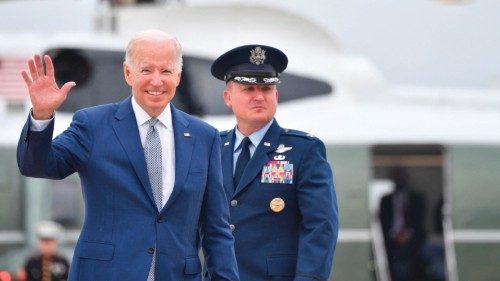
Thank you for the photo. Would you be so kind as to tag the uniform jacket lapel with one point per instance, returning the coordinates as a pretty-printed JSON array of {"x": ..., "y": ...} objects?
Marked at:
[
  {"x": 128, "y": 134},
  {"x": 184, "y": 141},
  {"x": 260, "y": 157}
]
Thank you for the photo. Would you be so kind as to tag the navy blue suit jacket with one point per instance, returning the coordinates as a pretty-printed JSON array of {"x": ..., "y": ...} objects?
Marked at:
[
  {"x": 122, "y": 226},
  {"x": 298, "y": 242}
]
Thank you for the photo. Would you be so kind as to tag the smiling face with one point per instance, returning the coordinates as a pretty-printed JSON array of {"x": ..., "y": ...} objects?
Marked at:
[
  {"x": 153, "y": 69},
  {"x": 253, "y": 105}
]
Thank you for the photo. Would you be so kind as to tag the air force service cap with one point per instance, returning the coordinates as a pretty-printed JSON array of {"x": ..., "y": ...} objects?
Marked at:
[{"x": 250, "y": 64}]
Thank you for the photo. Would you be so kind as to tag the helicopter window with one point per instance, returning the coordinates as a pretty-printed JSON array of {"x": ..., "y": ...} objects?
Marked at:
[
  {"x": 203, "y": 92},
  {"x": 99, "y": 78},
  {"x": 70, "y": 65},
  {"x": 98, "y": 75}
]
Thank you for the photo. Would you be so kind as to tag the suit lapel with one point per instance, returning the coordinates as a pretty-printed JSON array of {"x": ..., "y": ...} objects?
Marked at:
[
  {"x": 184, "y": 141},
  {"x": 128, "y": 134},
  {"x": 227, "y": 162},
  {"x": 267, "y": 145}
]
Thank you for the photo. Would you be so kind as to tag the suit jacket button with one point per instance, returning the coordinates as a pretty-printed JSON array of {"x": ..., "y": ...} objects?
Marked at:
[
  {"x": 160, "y": 220},
  {"x": 232, "y": 227},
  {"x": 234, "y": 203},
  {"x": 151, "y": 250}
]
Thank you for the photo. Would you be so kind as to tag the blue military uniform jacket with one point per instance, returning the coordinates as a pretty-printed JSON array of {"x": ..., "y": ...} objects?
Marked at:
[{"x": 294, "y": 242}]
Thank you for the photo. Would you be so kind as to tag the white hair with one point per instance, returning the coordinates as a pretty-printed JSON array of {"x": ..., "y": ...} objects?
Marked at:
[{"x": 153, "y": 34}]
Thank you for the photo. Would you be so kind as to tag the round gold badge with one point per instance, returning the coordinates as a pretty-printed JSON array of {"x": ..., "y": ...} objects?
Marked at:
[{"x": 277, "y": 205}]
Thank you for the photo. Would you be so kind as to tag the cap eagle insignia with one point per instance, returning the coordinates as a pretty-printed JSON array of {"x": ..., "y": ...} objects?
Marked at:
[{"x": 257, "y": 56}]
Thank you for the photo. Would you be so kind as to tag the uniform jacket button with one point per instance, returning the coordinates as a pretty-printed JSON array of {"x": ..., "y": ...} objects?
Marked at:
[{"x": 151, "y": 250}]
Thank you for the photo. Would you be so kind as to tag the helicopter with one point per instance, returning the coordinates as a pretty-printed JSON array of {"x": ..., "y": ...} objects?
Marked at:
[{"x": 447, "y": 140}]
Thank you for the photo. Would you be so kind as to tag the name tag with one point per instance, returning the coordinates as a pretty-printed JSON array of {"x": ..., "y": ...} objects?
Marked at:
[{"x": 277, "y": 172}]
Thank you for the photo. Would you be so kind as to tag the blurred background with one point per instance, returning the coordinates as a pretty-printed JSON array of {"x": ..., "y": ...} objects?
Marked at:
[{"x": 390, "y": 86}]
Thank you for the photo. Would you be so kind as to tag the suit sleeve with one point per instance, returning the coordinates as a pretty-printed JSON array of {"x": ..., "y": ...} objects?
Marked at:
[
  {"x": 40, "y": 156},
  {"x": 217, "y": 239},
  {"x": 319, "y": 211}
]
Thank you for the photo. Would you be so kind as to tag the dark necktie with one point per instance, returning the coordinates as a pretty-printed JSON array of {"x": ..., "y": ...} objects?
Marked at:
[{"x": 242, "y": 160}]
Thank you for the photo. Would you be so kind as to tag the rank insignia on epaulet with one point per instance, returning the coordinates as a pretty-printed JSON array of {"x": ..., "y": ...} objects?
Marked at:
[{"x": 298, "y": 133}]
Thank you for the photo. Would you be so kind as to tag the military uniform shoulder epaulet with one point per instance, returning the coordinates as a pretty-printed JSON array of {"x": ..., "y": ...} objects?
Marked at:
[
  {"x": 224, "y": 133},
  {"x": 297, "y": 133}
]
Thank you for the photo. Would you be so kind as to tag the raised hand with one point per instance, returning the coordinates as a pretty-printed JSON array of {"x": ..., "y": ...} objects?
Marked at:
[{"x": 45, "y": 95}]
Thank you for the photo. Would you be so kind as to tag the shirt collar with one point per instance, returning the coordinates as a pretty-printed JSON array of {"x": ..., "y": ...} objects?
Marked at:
[
  {"x": 142, "y": 116},
  {"x": 255, "y": 137}
]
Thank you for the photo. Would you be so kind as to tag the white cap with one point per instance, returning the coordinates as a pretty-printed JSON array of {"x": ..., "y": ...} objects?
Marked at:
[{"x": 48, "y": 230}]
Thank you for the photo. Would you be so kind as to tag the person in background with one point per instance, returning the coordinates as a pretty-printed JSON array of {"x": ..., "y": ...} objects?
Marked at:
[
  {"x": 46, "y": 264},
  {"x": 278, "y": 182},
  {"x": 402, "y": 219}
]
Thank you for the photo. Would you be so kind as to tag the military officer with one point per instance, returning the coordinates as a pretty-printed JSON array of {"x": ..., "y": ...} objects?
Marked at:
[
  {"x": 47, "y": 264},
  {"x": 278, "y": 182}
]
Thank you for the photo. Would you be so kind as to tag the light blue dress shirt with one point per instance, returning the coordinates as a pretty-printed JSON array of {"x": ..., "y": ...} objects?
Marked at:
[{"x": 255, "y": 139}]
